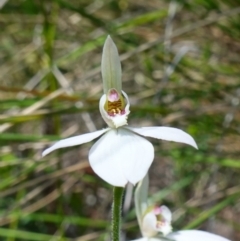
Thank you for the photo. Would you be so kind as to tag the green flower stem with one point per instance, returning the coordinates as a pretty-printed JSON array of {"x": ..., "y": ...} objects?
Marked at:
[{"x": 116, "y": 212}]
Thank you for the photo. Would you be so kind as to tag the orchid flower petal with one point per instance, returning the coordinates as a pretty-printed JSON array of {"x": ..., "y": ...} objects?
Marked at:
[
  {"x": 166, "y": 213},
  {"x": 196, "y": 235},
  {"x": 105, "y": 160},
  {"x": 121, "y": 156},
  {"x": 140, "y": 157},
  {"x": 148, "y": 239},
  {"x": 74, "y": 141},
  {"x": 149, "y": 225},
  {"x": 141, "y": 239},
  {"x": 165, "y": 133}
]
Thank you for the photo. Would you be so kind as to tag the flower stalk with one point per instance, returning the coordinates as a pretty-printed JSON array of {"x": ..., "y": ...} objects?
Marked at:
[{"x": 117, "y": 212}]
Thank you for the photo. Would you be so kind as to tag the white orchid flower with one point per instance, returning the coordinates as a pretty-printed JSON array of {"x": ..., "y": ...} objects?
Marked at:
[
  {"x": 151, "y": 220},
  {"x": 155, "y": 223},
  {"x": 121, "y": 155},
  {"x": 187, "y": 235}
]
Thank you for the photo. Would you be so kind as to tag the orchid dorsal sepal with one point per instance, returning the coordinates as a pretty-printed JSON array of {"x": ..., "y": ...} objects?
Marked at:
[
  {"x": 141, "y": 199},
  {"x": 111, "y": 67}
]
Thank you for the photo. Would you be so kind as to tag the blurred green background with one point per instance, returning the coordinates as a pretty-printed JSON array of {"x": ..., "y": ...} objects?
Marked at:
[{"x": 181, "y": 68}]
